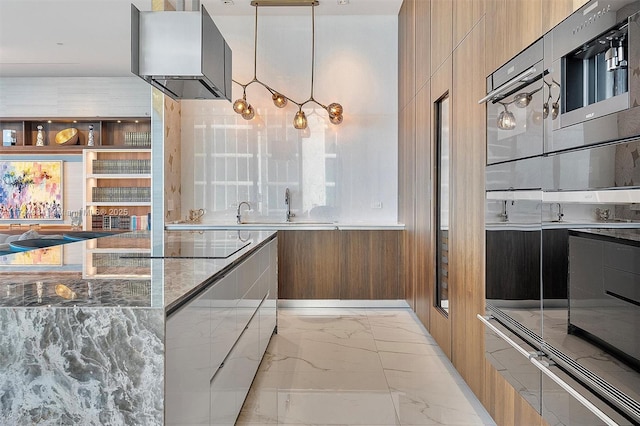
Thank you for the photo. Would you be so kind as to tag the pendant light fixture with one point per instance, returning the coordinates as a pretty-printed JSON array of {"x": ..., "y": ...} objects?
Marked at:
[{"x": 245, "y": 109}]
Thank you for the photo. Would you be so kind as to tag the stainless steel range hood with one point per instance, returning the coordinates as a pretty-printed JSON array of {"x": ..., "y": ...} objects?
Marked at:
[{"x": 181, "y": 53}]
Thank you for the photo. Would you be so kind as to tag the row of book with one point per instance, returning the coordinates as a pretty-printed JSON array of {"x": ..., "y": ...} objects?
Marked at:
[
  {"x": 141, "y": 222},
  {"x": 132, "y": 194},
  {"x": 137, "y": 139},
  {"x": 119, "y": 260},
  {"x": 121, "y": 166}
]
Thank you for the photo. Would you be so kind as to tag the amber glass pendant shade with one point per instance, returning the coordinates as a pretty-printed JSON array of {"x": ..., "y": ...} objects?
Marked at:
[
  {"x": 248, "y": 113},
  {"x": 336, "y": 119},
  {"x": 240, "y": 105},
  {"x": 300, "y": 120},
  {"x": 279, "y": 100},
  {"x": 334, "y": 109}
]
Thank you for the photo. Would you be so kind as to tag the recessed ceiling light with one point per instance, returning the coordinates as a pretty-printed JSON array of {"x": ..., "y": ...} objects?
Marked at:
[
  {"x": 343, "y": 2},
  {"x": 229, "y": 2}
]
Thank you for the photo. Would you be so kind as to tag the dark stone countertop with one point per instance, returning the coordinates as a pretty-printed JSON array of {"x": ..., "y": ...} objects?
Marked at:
[{"x": 126, "y": 270}]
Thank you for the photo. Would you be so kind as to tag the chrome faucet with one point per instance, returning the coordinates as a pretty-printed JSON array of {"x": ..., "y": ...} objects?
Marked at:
[
  {"x": 238, "y": 215},
  {"x": 287, "y": 202},
  {"x": 504, "y": 215},
  {"x": 560, "y": 212}
]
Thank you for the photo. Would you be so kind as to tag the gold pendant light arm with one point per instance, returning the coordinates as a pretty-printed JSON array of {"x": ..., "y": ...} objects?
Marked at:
[
  {"x": 241, "y": 106},
  {"x": 255, "y": 46}
]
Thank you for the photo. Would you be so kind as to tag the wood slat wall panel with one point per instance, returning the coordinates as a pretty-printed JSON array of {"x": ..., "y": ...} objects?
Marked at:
[
  {"x": 406, "y": 146},
  {"x": 468, "y": 155},
  {"x": 524, "y": 24},
  {"x": 406, "y": 53},
  {"x": 504, "y": 404},
  {"x": 406, "y": 202},
  {"x": 463, "y": 19},
  {"x": 496, "y": 49},
  {"x": 441, "y": 32},
  {"x": 424, "y": 218},
  {"x": 466, "y": 14},
  {"x": 441, "y": 84},
  {"x": 553, "y": 11},
  {"x": 511, "y": 26},
  {"x": 423, "y": 39},
  {"x": 309, "y": 264}
]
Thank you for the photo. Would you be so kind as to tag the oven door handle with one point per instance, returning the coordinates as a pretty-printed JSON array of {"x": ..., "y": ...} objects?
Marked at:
[
  {"x": 515, "y": 80},
  {"x": 545, "y": 370}
]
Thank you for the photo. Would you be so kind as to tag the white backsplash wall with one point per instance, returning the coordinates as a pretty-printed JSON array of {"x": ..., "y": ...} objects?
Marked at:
[{"x": 345, "y": 173}]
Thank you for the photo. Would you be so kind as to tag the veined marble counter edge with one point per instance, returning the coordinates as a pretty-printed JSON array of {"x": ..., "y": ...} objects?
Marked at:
[{"x": 300, "y": 226}]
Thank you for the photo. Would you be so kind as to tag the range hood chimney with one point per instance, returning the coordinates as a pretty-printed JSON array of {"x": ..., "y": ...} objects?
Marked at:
[{"x": 182, "y": 54}]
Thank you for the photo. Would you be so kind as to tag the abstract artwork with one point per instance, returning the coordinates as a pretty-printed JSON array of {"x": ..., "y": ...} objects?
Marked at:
[
  {"x": 31, "y": 190},
  {"x": 44, "y": 256}
]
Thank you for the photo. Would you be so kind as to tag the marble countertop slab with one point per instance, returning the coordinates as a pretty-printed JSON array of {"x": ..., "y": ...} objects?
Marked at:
[
  {"x": 299, "y": 225},
  {"x": 134, "y": 272},
  {"x": 629, "y": 236}
]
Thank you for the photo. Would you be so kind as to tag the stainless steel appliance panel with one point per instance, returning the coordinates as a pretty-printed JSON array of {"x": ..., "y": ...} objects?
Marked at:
[
  {"x": 604, "y": 289},
  {"x": 596, "y": 64}
]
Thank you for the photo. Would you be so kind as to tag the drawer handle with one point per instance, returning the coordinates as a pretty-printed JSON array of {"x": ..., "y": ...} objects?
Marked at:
[
  {"x": 506, "y": 338},
  {"x": 574, "y": 393}
]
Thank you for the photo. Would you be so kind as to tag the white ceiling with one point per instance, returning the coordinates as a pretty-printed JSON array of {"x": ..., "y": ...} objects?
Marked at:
[{"x": 87, "y": 38}]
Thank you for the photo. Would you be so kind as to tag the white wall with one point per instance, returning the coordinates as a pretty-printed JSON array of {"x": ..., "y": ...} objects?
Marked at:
[
  {"x": 74, "y": 97},
  {"x": 349, "y": 168}
]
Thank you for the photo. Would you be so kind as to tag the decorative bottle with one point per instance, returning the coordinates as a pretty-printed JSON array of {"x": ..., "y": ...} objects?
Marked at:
[
  {"x": 40, "y": 138},
  {"x": 90, "y": 142}
]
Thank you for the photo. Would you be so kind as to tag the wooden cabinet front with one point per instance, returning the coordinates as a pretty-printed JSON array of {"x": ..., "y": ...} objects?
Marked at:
[{"x": 348, "y": 265}]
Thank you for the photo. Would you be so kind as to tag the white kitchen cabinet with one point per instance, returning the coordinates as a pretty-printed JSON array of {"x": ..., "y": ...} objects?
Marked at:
[
  {"x": 188, "y": 342},
  {"x": 215, "y": 343}
]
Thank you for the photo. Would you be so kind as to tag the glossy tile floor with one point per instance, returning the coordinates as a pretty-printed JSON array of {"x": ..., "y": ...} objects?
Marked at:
[{"x": 357, "y": 367}]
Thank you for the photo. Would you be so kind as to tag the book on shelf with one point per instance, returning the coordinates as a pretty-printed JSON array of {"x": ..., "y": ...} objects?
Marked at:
[
  {"x": 115, "y": 167},
  {"x": 133, "y": 222},
  {"x": 142, "y": 139},
  {"x": 133, "y": 194}
]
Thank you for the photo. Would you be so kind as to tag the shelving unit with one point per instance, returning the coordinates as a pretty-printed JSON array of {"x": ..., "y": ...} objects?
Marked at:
[
  {"x": 107, "y": 132},
  {"x": 117, "y": 188},
  {"x": 121, "y": 256}
]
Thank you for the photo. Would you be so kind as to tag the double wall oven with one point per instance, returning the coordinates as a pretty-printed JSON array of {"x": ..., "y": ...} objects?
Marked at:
[{"x": 562, "y": 218}]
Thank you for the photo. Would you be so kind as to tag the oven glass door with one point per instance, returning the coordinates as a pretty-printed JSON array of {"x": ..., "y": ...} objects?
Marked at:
[{"x": 515, "y": 122}]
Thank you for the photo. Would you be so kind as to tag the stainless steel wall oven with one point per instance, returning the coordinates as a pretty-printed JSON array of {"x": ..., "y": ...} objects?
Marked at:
[{"x": 562, "y": 217}]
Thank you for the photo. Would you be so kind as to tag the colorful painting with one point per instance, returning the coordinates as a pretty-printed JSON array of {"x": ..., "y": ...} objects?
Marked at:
[
  {"x": 44, "y": 256},
  {"x": 31, "y": 190}
]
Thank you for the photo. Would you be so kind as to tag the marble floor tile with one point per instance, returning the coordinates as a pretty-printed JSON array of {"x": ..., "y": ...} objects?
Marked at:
[
  {"x": 322, "y": 380},
  {"x": 413, "y": 362},
  {"x": 398, "y": 333},
  {"x": 304, "y": 355},
  {"x": 320, "y": 327},
  {"x": 316, "y": 406},
  {"x": 357, "y": 367}
]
